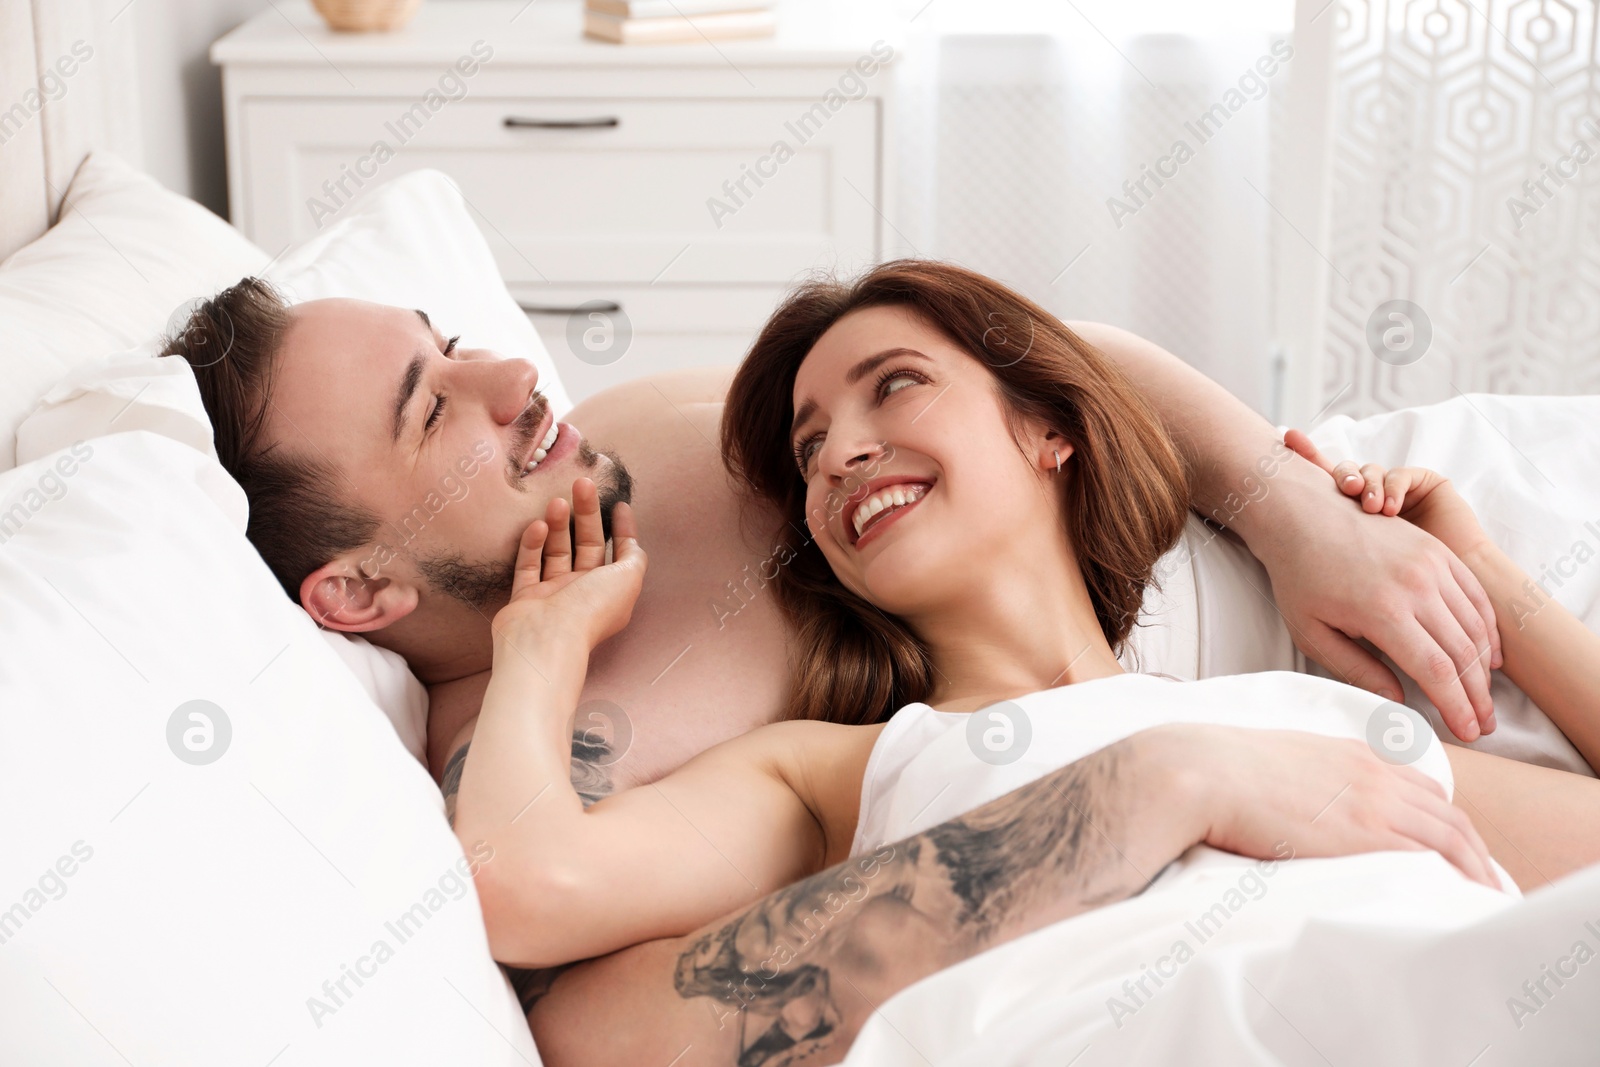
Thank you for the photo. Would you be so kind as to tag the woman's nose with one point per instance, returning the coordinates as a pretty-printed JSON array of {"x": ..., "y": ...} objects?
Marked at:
[{"x": 845, "y": 458}]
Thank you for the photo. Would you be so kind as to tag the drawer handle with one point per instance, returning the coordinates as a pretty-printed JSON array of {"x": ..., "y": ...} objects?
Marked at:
[
  {"x": 601, "y": 123},
  {"x": 604, "y": 307}
]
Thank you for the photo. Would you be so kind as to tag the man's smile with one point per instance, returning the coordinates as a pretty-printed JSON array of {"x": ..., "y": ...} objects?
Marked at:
[
  {"x": 542, "y": 449},
  {"x": 559, "y": 442}
]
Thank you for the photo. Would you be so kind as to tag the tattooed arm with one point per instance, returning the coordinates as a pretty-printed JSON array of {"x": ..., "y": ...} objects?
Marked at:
[{"x": 792, "y": 978}]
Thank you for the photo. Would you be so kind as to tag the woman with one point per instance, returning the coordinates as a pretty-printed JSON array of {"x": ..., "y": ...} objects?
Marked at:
[{"x": 983, "y": 498}]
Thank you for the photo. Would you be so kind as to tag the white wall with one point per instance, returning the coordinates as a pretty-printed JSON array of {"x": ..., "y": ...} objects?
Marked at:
[{"x": 181, "y": 92}]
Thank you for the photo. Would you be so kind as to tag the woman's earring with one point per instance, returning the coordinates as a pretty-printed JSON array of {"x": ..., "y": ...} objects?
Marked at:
[{"x": 1057, "y": 453}]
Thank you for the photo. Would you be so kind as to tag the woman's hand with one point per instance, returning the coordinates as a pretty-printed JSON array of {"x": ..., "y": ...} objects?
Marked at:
[
  {"x": 1416, "y": 494},
  {"x": 1321, "y": 796},
  {"x": 1461, "y": 610},
  {"x": 566, "y": 591}
]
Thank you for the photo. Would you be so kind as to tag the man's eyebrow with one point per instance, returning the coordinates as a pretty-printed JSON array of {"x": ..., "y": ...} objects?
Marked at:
[
  {"x": 409, "y": 383},
  {"x": 408, "y": 389},
  {"x": 852, "y": 376}
]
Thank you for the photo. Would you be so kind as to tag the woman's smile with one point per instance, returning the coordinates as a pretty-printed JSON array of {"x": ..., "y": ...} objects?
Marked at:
[{"x": 882, "y": 501}]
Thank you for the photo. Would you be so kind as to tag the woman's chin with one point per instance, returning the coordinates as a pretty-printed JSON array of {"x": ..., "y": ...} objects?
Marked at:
[{"x": 898, "y": 587}]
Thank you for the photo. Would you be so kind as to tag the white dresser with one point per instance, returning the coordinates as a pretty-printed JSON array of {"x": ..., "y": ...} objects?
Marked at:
[{"x": 685, "y": 185}]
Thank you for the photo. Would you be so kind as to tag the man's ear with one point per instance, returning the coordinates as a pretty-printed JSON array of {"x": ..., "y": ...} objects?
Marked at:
[{"x": 338, "y": 596}]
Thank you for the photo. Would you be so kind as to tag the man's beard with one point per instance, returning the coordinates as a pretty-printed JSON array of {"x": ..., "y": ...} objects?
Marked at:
[{"x": 482, "y": 583}]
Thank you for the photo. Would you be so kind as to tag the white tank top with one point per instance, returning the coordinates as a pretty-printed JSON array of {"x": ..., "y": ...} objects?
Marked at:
[{"x": 930, "y": 766}]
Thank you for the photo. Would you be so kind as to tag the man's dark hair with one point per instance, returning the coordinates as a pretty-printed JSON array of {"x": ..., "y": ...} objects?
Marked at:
[{"x": 296, "y": 520}]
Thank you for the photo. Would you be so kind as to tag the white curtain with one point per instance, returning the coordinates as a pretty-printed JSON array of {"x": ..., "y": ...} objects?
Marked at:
[
  {"x": 1466, "y": 181},
  {"x": 1027, "y": 137}
]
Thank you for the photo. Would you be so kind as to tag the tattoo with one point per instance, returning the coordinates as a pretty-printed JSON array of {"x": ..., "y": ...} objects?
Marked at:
[
  {"x": 450, "y": 781},
  {"x": 1002, "y": 854},
  {"x": 783, "y": 1015},
  {"x": 591, "y": 774},
  {"x": 591, "y": 767},
  {"x": 530, "y": 985},
  {"x": 969, "y": 878}
]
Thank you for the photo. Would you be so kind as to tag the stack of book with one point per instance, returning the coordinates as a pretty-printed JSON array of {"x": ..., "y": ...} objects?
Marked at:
[{"x": 663, "y": 21}]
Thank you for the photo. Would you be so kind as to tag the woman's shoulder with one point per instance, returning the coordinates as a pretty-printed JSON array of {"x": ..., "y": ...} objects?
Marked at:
[
  {"x": 824, "y": 764},
  {"x": 796, "y": 747},
  {"x": 820, "y": 763}
]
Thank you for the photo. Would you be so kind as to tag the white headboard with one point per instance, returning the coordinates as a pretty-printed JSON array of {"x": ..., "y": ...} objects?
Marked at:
[{"x": 49, "y": 118}]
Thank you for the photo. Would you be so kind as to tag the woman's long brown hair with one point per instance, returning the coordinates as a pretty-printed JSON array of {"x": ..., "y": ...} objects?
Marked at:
[{"x": 1126, "y": 488}]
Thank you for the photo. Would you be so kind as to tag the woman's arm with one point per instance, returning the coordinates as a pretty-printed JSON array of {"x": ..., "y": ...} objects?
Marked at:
[
  {"x": 792, "y": 977},
  {"x": 1336, "y": 576},
  {"x": 1549, "y": 653},
  {"x": 1540, "y": 823},
  {"x": 569, "y": 882}
]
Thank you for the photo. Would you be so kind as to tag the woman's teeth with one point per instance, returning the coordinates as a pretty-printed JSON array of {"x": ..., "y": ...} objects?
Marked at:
[
  {"x": 544, "y": 448},
  {"x": 887, "y": 500}
]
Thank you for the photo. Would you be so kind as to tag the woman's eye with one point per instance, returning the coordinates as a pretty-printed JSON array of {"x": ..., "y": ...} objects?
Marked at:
[
  {"x": 450, "y": 345},
  {"x": 895, "y": 380},
  {"x": 802, "y": 453}
]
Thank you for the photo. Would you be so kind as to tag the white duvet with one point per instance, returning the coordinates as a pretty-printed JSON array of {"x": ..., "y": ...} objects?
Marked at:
[
  {"x": 1389, "y": 958},
  {"x": 1356, "y": 961}
]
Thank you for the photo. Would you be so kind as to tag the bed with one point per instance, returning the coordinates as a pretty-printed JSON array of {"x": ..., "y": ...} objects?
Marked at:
[{"x": 223, "y": 846}]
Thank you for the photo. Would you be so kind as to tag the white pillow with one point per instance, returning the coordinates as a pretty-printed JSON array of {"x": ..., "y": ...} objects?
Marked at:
[
  {"x": 136, "y": 390},
  {"x": 413, "y": 243},
  {"x": 107, "y": 276},
  {"x": 132, "y": 390},
  {"x": 389, "y": 683},
  {"x": 163, "y": 910}
]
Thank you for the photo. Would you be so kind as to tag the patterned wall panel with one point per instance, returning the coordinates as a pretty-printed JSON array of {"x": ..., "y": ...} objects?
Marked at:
[{"x": 1465, "y": 236}]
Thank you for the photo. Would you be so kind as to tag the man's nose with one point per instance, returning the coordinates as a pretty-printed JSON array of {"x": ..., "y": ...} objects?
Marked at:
[{"x": 504, "y": 384}]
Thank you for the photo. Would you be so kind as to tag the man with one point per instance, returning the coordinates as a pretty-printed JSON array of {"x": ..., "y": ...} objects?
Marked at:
[{"x": 342, "y": 418}]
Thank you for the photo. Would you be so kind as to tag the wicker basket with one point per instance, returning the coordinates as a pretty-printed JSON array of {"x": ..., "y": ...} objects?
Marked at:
[{"x": 363, "y": 15}]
